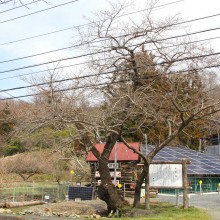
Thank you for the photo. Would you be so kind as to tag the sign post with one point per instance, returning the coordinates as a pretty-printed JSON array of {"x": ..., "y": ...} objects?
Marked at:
[
  {"x": 170, "y": 175},
  {"x": 72, "y": 173},
  {"x": 218, "y": 188},
  {"x": 200, "y": 186}
]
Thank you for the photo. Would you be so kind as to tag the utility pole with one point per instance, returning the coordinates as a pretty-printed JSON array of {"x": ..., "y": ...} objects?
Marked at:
[{"x": 115, "y": 170}]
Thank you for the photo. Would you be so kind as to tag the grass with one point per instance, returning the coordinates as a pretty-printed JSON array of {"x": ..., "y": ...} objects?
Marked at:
[{"x": 167, "y": 211}]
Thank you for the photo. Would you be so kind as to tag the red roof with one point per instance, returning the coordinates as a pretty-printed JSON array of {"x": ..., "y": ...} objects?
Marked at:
[{"x": 122, "y": 152}]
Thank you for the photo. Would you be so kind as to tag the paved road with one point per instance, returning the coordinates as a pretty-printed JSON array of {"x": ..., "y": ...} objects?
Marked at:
[{"x": 210, "y": 202}]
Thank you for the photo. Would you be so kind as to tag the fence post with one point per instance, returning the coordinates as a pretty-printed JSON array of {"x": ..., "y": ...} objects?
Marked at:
[
  {"x": 13, "y": 198},
  {"x": 42, "y": 194},
  {"x": 58, "y": 193},
  {"x": 32, "y": 191}
]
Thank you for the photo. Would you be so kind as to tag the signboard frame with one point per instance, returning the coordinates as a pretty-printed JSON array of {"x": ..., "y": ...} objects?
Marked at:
[{"x": 166, "y": 175}]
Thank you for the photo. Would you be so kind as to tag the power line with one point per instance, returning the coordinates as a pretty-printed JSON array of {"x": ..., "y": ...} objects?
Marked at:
[
  {"x": 20, "y": 6},
  {"x": 5, "y": 2},
  {"x": 59, "y": 60},
  {"x": 76, "y": 64},
  {"x": 36, "y": 12},
  {"x": 8, "y": 94},
  {"x": 14, "y": 8},
  {"x": 77, "y": 45},
  {"x": 78, "y": 26},
  {"x": 91, "y": 75},
  {"x": 94, "y": 53},
  {"x": 36, "y": 36},
  {"x": 105, "y": 83},
  {"x": 65, "y": 48},
  {"x": 61, "y": 67},
  {"x": 39, "y": 54}
]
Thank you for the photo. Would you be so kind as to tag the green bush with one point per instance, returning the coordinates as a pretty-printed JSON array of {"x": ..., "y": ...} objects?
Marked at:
[{"x": 13, "y": 149}]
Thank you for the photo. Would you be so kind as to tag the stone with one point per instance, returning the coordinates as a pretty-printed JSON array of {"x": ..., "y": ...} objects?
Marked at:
[
  {"x": 2, "y": 210},
  {"x": 8, "y": 211}
]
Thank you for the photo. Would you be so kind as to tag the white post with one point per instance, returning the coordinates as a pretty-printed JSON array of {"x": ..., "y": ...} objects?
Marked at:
[
  {"x": 13, "y": 198},
  {"x": 115, "y": 170}
]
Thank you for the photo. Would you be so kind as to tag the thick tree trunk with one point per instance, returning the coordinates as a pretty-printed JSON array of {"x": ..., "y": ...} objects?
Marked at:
[{"x": 107, "y": 190}]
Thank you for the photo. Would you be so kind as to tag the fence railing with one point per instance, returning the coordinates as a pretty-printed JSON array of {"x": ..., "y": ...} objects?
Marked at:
[{"x": 16, "y": 194}]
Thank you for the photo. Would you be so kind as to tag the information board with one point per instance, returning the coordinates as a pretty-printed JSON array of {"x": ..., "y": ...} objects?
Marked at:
[{"x": 166, "y": 175}]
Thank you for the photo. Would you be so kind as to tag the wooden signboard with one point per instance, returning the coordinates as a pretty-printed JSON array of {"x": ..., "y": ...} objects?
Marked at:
[{"x": 166, "y": 175}]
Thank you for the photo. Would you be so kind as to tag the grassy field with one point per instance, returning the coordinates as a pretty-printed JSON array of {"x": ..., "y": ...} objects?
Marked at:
[
  {"x": 170, "y": 212},
  {"x": 166, "y": 211}
]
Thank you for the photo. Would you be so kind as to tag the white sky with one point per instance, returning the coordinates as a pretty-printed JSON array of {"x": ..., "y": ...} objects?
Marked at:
[{"x": 71, "y": 15}]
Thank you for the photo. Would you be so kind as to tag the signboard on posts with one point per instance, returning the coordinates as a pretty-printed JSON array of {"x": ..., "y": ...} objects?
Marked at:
[{"x": 166, "y": 175}]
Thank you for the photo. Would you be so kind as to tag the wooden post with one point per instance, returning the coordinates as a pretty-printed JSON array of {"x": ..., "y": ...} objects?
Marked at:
[
  {"x": 177, "y": 198},
  {"x": 185, "y": 185}
]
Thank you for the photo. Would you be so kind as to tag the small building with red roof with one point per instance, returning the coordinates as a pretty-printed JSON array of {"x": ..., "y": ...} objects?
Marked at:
[
  {"x": 120, "y": 151},
  {"x": 122, "y": 157}
]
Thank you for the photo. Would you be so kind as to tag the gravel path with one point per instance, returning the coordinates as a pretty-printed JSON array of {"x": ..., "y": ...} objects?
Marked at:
[{"x": 210, "y": 202}]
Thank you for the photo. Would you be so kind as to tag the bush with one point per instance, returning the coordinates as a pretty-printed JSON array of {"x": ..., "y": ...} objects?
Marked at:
[{"x": 12, "y": 149}]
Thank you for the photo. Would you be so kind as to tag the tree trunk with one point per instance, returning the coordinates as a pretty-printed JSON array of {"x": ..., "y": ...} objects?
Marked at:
[
  {"x": 147, "y": 185},
  {"x": 107, "y": 191},
  {"x": 137, "y": 195},
  {"x": 144, "y": 175}
]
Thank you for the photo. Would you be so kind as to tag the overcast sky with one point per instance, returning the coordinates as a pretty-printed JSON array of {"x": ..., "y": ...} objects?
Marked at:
[{"x": 69, "y": 15}]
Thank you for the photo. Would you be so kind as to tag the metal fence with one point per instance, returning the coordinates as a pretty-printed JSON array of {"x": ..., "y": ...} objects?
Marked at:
[
  {"x": 17, "y": 194},
  {"x": 208, "y": 184}
]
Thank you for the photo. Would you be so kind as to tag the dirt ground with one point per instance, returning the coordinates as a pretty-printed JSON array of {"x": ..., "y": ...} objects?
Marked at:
[
  {"x": 89, "y": 208},
  {"x": 60, "y": 210}
]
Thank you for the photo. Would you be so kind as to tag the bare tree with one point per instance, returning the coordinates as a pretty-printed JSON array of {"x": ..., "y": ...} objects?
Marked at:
[
  {"x": 147, "y": 81},
  {"x": 28, "y": 164},
  {"x": 154, "y": 81}
]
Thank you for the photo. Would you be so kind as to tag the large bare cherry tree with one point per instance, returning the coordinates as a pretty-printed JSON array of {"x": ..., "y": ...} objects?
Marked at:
[{"x": 141, "y": 79}]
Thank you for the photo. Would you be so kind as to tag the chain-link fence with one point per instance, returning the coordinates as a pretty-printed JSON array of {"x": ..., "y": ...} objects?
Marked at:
[{"x": 17, "y": 194}]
